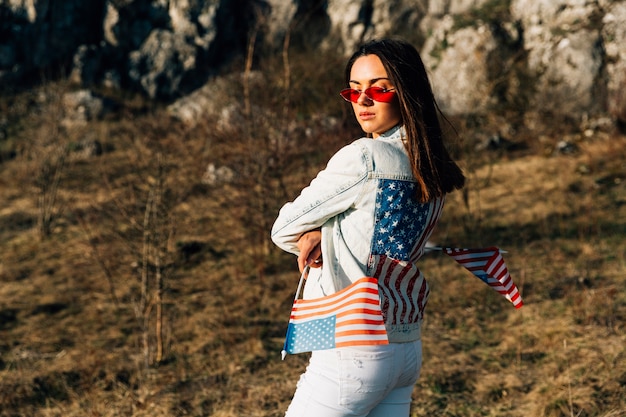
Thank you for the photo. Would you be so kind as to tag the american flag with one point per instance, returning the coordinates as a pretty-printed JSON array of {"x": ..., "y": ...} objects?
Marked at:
[
  {"x": 488, "y": 265},
  {"x": 350, "y": 317},
  {"x": 403, "y": 290},
  {"x": 402, "y": 227}
]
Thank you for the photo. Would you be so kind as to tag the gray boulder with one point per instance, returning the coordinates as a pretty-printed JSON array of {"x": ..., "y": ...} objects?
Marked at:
[
  {"x": 161, "y": 63},
  {"x": 547, "y": 57},
  {"x": 565, "y": 54}
]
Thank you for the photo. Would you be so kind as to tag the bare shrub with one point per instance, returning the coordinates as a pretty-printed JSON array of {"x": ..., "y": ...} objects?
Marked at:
[
  {"x": 45, "y": 155},
  {"x": 132, "y": 234},
  {"x": 270, "y": 138}
]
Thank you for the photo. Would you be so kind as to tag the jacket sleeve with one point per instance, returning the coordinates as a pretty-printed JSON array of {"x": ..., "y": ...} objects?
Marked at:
[{"x": 332, "y": 192}]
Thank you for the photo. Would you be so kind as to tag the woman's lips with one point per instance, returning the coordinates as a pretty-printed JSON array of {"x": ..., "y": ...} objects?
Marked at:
[{"x": 364, "y": 115}]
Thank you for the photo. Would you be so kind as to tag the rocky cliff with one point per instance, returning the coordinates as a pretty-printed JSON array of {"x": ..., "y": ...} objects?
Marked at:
[{"x": 556, "y": 57}]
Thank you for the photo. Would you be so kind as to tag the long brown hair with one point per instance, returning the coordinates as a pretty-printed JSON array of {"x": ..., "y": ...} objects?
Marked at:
[{"x": 433, "y": 167}]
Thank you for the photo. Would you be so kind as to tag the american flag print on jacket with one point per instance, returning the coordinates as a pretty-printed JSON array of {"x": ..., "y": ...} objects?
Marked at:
[
  {"x": 402, "y": 228},
  {"x": 395, "y": 294}
]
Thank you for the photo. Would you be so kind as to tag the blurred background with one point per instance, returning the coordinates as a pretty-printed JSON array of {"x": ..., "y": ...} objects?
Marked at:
[{"x": 147, "y": 145}]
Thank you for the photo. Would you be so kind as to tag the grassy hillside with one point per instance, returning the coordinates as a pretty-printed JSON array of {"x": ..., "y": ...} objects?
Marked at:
[{"x": 134, "y": 282}]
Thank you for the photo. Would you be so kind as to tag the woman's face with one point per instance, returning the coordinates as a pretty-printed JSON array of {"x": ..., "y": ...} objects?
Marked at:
[{"x": 375, "y": 117}]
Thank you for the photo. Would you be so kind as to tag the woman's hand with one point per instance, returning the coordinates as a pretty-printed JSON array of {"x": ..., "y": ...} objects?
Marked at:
[{"x": 309, "y": 245}]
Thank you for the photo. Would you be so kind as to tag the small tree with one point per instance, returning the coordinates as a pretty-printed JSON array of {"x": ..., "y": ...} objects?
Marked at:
[
  {"x": 157, "y": 231},
  {"x": 47, "y": 181},
  {"x": 46, "y": 154},
  {"x": 144, "y": 223}
]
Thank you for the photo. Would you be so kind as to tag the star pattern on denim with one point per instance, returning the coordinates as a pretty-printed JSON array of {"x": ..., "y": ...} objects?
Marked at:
[{"x": 400, "y": 219}]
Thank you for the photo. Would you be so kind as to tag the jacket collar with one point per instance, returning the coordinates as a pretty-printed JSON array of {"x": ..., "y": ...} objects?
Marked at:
[{"x": 396, "y": 132}]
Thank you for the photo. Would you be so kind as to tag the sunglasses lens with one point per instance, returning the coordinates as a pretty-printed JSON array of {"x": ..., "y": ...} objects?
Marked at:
[
  {"x": 380, "y": 94},
  {"x": 375, "y": 93},
  {"x": 350, "y": 94}
]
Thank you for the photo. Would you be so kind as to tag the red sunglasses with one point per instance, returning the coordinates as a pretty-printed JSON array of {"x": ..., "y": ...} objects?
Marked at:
[{"x": 379, "y": 94}]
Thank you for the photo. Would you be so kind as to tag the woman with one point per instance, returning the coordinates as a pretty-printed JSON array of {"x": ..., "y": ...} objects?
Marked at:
[{"x": 370, "y": 213}]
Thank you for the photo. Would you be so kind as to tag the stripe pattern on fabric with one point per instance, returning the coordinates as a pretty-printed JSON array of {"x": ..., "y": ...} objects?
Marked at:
[
  {"x": 403, "y": 291},
  {"x": 350, "y": 317},
  {"x": 488, "y": 265}
]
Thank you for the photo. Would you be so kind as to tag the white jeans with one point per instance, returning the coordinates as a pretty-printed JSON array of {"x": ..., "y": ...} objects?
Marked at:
[{"x": 369, "y": 381}]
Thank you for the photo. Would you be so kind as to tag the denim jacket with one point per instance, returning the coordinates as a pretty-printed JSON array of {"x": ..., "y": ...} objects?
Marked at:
[{"x": 371, "y": 224}]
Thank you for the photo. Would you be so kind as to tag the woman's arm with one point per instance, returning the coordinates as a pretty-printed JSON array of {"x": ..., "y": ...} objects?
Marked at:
[{"x": 332, "y": 192}]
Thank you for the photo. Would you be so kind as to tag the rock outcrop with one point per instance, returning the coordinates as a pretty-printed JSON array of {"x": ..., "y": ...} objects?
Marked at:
[{"x": 556, "y": 57}]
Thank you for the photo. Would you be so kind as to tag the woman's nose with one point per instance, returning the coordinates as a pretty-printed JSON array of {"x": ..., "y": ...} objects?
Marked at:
[{"x": 364, "y": 99}]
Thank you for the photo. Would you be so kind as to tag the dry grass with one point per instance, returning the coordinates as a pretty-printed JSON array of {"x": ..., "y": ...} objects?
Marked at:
[
  {"x": 562, "y": 220},
  {"x": 71, "y": 334}
]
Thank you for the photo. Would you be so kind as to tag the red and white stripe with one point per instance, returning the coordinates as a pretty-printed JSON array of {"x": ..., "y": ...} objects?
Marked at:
[
  {"x": 489, "y": 262},
  {"x": 357, "y": 310},
  {"x": 403, "y": 290}
]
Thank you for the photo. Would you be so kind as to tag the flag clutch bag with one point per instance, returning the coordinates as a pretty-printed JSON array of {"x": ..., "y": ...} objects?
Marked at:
[{"x": 350, "y": 317}]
